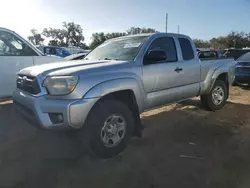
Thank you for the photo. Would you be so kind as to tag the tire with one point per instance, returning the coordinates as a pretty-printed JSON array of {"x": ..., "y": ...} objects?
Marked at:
[
  {"x": 235, "y": 84},
  {"x": 117, "y": 112},
  {"x": 204, "y": 103},
  {"x": 207, "y": 100}
]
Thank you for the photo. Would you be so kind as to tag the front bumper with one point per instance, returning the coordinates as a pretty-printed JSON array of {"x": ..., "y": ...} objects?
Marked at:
[
  {"x": 242, "y": 79},
  {"x": 37, "y": 110}
]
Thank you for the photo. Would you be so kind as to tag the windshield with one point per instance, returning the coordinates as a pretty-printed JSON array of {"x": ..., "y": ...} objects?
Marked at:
[
  {"x": 245, "y": 57},
  {"x": 118, "y": 49}
]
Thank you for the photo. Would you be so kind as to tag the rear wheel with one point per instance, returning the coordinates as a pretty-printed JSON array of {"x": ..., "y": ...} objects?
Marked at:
[
  {"x": 110, "y": 125},
  {"x": 217, "y": 97}
]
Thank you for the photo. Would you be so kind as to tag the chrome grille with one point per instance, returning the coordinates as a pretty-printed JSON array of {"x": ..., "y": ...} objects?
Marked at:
[{"x": 28, "y": 84}]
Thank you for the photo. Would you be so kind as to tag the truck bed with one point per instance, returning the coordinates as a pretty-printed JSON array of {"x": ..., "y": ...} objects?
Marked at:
[{"x": 216, "y": 58}]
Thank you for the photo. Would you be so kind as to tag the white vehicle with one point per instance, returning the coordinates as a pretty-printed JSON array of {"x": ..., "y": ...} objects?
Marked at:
[{"x": 15, "y": 54}]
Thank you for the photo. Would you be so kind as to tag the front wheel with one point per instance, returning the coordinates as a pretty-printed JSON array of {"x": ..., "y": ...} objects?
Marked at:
[
  {"x": 217, "y": 97},
  {"x": 110, "y": 125}
]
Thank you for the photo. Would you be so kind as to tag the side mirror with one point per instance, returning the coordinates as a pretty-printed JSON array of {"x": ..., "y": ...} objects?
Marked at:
[{"x": 156, "y": 55}]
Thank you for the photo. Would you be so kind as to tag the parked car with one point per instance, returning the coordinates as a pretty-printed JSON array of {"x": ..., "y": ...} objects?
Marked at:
[
  {"x": 104, "y": 94},
  {"x": 235, "y": 53},
  {"x": 210, "y": 54},
  {"x": 76, "y": 56},
  {"x": 242, "y": 71},
  {"x": 15, "y": 54},
  {"x": 54, "y": 50}
]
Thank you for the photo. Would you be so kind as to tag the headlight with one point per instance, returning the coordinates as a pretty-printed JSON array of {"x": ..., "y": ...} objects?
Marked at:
[{"x": 60, "y": 85}]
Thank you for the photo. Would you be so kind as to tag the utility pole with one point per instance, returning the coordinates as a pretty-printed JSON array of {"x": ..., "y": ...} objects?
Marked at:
[
  {"x": 178, "y": 29},
  {"x": 166, "y": 22},
  {"x": 234, "y": 42}
]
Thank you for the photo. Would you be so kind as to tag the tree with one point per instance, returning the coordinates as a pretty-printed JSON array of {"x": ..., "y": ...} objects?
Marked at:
[
  {"x": 114, "y": 35},
  {"x": 216, "y": 43},
  {"x": 57, "y": 35},
  {"x": 73, "y": 34},
  {"x": 35, "y": 38},
  {"x": 138, "y": 30},
  {"x": 84, "y": 46},
  {"x": 70, "y": 35},
  {"x": 201, "y": 43},
  {"x": 98, "y": 38},
  {"x": 232, "y": 40}
]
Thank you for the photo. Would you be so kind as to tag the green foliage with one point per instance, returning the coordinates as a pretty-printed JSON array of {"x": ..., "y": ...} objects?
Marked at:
[
  {"x": 98, "y": 38},
  {"x": 70, "y": 35},
  {"x": 201, "y": 43},
  {"x": 84, "y": 46},
  {"x": 138, "y": 30},
  {"x": 232, "y": 40},
  {"x": 36, "y": 38}
]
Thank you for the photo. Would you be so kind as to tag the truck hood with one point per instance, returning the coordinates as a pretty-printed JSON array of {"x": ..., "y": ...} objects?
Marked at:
[{"x": 67, "y": 68}]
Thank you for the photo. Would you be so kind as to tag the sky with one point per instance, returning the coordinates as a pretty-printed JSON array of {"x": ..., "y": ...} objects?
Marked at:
[{"x": 201, "y": 19}]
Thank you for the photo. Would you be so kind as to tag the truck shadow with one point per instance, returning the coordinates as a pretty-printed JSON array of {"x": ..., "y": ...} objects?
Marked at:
[
  {"x": 244, "y": 87},
  {"x": 34, "y": 158}
]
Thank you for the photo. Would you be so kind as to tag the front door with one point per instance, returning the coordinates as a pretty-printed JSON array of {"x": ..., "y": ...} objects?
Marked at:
[
  {"x": 14, "y": 56},
  {"x": 162, "y": 79}
]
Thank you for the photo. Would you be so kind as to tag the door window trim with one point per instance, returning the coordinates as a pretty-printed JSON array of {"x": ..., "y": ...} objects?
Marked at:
[
  {"x": 161, "y": 62},
  {"x": 181, "y": 48}
]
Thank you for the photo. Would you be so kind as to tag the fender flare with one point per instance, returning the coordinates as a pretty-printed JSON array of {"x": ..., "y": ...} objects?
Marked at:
[
  {"x": 110, "y": 86},
  {"x": 220, "y": 70}
]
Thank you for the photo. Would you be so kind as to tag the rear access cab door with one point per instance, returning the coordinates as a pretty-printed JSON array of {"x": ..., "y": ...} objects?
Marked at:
[{"x": 175, "y": 78}]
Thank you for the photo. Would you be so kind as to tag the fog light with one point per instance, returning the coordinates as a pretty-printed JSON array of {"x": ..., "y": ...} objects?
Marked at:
[{"x": 56, "y": 118}]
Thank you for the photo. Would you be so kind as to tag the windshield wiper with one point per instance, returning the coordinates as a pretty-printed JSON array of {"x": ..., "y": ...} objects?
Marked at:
[{"x": 106, "y": 58}]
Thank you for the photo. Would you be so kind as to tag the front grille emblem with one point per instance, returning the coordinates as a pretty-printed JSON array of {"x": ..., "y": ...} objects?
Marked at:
[
  {"x": 28, "y": 84},
  {"x": 23, "y": 81}
]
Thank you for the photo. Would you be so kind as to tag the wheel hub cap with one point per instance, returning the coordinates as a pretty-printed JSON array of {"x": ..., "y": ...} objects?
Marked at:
[
  {"x": 218, "y": 95},
  {"x": 113, "y": 130}
]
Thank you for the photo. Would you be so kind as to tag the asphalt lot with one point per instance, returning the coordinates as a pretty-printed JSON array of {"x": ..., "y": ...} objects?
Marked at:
[{"x": 182, "y": 146}]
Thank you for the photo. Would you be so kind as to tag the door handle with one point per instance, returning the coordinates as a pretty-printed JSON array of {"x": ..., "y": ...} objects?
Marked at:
[{"x": 178, "y": 69}]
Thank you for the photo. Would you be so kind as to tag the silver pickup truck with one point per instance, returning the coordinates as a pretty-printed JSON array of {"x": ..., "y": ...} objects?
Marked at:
[{"x": 104, "y": 94}]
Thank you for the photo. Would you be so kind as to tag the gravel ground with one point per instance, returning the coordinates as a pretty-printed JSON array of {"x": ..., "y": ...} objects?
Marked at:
[{"x": 182, "y": 146}]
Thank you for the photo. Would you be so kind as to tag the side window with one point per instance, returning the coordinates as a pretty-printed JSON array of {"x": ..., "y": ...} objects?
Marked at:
[
  {"x": 186, "y": 48},
  {"x": 59, "y": 51},
  {"x": 46, "y": 50},
  {"x": 10, "y": 45},
  {"x": 50, "y": 51},
  {"x": 2, "y": 48},
  {"x": 168, "y": 45}
]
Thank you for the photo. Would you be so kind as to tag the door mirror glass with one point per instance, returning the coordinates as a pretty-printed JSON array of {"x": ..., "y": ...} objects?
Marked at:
[{"x": 156, "y": 55}]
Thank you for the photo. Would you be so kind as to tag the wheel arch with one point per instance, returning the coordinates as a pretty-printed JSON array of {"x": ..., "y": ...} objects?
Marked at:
[
  {"x": 223, "y": 76},
  {"x": 129, "y": 99},
  {"x": 126, "y": 86}
]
